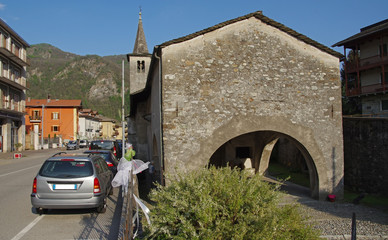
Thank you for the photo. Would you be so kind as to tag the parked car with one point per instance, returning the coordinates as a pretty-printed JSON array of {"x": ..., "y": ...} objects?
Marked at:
[
  {"x": 111, "y": 145},
  {"x": 72, "y": 181},
  {"x": 108, "y": 156},
  {"x": 120, "y": 146},
  {"x": 72, "y": 145},
  {"x": 83, "y": 143}
]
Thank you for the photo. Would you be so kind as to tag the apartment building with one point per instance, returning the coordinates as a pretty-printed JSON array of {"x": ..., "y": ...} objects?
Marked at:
[
  {"x": 49, "y": 118},
  {"x": 89, "y": 124},
  {"x": 366, "y": 68},
  {"x": 110, "y": 128},
  {"x": 13, "y": 67}
]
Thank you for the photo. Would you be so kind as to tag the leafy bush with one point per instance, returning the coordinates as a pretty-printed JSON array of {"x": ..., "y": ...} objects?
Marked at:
[{"x": 223, "y": 204}]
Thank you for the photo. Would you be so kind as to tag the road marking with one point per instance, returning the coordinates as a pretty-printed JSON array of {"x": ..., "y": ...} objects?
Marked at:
[
  {"x": 28, "y": 228},
  {"x": 6, "y": 174}
]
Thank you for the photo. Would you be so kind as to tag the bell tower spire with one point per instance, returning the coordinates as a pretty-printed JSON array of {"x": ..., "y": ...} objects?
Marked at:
[
  {"x": 139, "y": 60},
  {"x": 140, "y": 42}
]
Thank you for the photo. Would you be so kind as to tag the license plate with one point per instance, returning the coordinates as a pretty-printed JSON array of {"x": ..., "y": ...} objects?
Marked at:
[{"x": 64, "y": 186}]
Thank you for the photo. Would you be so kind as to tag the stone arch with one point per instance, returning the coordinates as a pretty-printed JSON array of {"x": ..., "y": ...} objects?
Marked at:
[{"x": 273, "y": 127}]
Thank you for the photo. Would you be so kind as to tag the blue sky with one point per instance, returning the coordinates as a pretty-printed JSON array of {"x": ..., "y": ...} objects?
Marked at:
[{"x": 108, "y": 27}]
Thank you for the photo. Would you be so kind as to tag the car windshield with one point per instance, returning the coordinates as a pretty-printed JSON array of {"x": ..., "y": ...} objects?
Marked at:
[
  {"x": 72, "y": 142},
  {"x": 102, "y": 145},
  {"x": 66, "y": 169}
]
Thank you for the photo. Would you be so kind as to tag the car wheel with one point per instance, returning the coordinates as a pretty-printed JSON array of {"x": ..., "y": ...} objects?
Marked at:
[
  {"x": 40, "y": 211},
  {"x": 102, "y": 207}
]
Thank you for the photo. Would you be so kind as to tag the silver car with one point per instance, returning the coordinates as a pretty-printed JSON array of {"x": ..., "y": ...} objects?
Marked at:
[
  {"x": 83, "y": 144},
  {"x": 72, "y": 145},
  {"x": 70, "y": 181}
]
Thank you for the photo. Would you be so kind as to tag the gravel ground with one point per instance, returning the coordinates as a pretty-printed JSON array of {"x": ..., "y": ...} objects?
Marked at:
[{"x": 334, "y": 219}]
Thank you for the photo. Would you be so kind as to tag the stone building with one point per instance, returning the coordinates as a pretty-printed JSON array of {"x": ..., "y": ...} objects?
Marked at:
[{"x": 226, "y": 94}]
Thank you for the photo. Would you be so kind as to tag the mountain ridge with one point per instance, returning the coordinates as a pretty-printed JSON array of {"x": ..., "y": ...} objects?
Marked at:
[{"x": 62, "y": 75}]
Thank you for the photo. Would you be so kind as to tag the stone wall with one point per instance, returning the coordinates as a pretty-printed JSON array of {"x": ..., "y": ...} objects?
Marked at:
[
  {"x": 366, "y": 151},
  {"x": 248, "y": 77}
]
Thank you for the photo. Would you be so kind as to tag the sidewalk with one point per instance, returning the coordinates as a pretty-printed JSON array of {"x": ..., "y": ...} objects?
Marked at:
[{"x": 10, "y": 155}]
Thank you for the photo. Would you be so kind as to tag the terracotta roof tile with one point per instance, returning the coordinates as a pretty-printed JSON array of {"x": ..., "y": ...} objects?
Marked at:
[{"x": 53, "y": 103}]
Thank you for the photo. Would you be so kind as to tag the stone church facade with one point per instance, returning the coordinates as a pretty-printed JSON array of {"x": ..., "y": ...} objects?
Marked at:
[{"x": 232, "y": 91}]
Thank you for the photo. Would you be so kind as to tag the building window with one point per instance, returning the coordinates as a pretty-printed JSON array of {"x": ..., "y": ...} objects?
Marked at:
[
  {"x": 385, "y": 77},
  {"x": 35, "y": 115},
  {"x": 16, "y": 102},
  {"x": 55, "y": 128},
  {"x": 140, "y": 66},
  {"x": 55, "y": 116},
  {"x": 384, "y": 50},
  {"x": 5, "y": 70},
  {"x": 17, "y": 76},
  {"x": 384, "y": 105}
]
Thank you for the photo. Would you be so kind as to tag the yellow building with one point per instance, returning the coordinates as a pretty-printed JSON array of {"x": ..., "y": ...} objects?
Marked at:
[{"x": 110, "y": 129}]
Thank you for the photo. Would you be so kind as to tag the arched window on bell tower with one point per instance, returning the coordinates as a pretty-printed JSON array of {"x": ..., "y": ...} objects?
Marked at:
[{"x": 140, "y": 66}]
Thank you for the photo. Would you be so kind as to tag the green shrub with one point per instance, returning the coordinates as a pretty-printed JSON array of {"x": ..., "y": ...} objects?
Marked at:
[{"x": 223, "y": 204}]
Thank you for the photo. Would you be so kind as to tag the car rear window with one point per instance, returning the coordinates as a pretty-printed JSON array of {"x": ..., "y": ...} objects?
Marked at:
[
  {"x": 105, "y": 156},
  {"x": 66, "y": 169},
  {"x": 104, "y": 145}
]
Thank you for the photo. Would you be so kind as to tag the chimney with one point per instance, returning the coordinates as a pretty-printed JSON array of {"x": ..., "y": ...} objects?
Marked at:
[
  {"x": 48, "y": 98},
  {"x": 29, "y": 99}
]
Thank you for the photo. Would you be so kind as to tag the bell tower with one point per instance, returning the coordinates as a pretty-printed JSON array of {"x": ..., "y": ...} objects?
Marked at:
[{"x": 139, "y": 60}]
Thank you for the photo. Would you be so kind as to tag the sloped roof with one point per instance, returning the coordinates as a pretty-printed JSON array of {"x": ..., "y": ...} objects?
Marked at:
[
  {"x": 259, "y": 15},
  {"x": 53, "y": 103},
  {"x": 13, "y": 33},
  {"x": 106, "y": 119},
  {"x": 143, "y": 94},
  {"x": 365, "y": 32}
]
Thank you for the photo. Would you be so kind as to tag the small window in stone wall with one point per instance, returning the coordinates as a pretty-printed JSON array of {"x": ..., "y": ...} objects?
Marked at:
[
  {"x": 384, "y": 105},
  {"x": 243, "y": 152},
  {"x": 140, "y": 66}
]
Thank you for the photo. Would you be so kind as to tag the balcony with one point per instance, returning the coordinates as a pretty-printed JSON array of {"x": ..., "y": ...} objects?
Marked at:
[
  {"x": 365, "y": 63},
  {"x": 35, "y": 119},
  {"x": 365, "y": 90},
  {"x": 14, "y": 57},
  {"x": 20, "y": 84}
]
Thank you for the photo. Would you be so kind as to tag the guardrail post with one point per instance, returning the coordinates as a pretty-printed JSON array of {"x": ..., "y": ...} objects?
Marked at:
[{"x": 354, "y": 230}]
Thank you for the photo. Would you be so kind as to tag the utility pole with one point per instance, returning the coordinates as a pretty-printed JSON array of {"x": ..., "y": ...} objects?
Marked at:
[
  {"x": 129, "y": 222},
  {"x": 42, "y": 125},
  {"x": 122, "y": 110}
]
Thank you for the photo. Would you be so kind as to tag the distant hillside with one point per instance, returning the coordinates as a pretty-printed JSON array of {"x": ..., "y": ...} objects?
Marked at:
[{"x": 93, "y": 79}]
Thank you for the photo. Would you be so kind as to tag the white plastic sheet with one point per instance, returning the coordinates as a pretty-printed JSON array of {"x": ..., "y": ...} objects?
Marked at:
[
  {"x": 122, "y": 179},
  {"x": 123, "y": 170}
]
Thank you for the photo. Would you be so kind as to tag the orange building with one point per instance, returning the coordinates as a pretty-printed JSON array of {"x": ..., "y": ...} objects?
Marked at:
[{"x": 58, "y": 117}]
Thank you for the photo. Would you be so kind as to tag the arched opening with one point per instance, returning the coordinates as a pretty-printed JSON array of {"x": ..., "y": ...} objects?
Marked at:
[{"x": 265, "y": 153}]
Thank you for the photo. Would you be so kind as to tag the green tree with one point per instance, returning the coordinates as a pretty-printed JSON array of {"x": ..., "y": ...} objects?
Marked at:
[
  {"x": 350, "y": 105},
  {"x": 223, "y": 204}
]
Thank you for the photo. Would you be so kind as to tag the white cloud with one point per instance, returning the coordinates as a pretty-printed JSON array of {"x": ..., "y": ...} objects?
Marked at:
[{"x": 2, "y": 6}]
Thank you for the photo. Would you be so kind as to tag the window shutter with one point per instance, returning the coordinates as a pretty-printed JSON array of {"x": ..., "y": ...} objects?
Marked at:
[{"x": 59, "y": 128}]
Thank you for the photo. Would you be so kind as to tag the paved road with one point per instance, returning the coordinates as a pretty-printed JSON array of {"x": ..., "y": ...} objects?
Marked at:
[{"x": 19, "y": 221}]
